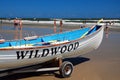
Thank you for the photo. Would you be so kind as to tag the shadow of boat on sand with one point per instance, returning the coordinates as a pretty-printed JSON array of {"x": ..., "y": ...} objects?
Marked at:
[{"x": 75, "y": 61}]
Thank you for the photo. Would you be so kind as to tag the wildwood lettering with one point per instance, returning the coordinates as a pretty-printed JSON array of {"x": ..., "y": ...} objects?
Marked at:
[{"x": 47, "y": 52}]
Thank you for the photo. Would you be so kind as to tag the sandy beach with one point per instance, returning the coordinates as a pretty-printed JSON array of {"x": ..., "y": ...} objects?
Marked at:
[{"x": 101, "y": 64}]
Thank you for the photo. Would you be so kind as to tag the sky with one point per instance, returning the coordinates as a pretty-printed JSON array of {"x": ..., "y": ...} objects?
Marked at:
[{"x": 60, "y": 8}]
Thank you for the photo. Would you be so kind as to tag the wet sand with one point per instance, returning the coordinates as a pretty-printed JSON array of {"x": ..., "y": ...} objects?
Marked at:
[{"x": 101, "y": 64}]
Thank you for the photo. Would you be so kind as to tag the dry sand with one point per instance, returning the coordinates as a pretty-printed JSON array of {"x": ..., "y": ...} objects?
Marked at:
[{"x": 101, "y": 64}]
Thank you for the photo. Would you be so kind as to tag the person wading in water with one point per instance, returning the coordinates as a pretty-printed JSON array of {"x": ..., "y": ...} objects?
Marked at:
[{"x": 17, "y": 24}]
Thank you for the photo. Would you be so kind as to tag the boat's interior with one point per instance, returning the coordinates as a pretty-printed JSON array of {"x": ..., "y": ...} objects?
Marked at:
[{"x": 49, "y": 39}]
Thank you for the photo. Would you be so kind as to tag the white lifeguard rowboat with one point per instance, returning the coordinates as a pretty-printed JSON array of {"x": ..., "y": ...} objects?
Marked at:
[{"x": 35, "y": 50}]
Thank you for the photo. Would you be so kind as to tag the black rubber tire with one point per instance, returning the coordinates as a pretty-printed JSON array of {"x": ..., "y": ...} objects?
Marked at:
[{"x": 66, "y": 69}]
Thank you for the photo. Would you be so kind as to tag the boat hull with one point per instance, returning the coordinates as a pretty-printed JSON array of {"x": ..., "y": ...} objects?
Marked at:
[{"x": 16, "y": 58}]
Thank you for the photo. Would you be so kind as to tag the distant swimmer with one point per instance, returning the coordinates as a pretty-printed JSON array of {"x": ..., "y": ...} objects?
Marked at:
[
  {"x": 61, "y": 25},
  {"x": 16, "y": 22},
  {"x": 106, "y": 30},
  {"x": 20, "y": 24},
  {"x": 54, "y": 26}
]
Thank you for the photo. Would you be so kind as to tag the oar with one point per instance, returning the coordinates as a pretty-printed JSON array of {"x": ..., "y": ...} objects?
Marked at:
[{"x": 91, "y": 28}]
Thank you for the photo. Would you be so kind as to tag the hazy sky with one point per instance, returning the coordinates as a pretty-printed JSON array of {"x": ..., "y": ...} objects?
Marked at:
[{"x": 60, "y": 8}]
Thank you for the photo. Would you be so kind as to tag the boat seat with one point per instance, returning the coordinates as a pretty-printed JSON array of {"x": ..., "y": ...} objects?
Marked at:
[
  {"x": 31, "y": 38},
  {"x": 33, "y": 41}
]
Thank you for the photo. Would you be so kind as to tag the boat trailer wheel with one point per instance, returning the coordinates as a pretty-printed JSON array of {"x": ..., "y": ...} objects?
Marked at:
[{"x": 66, "y": 69}]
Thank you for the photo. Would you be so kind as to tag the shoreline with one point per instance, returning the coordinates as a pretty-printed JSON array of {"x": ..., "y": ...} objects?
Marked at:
[
  {"x": 65, "y": 26},
  {"x": 65, "y": 22}
]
